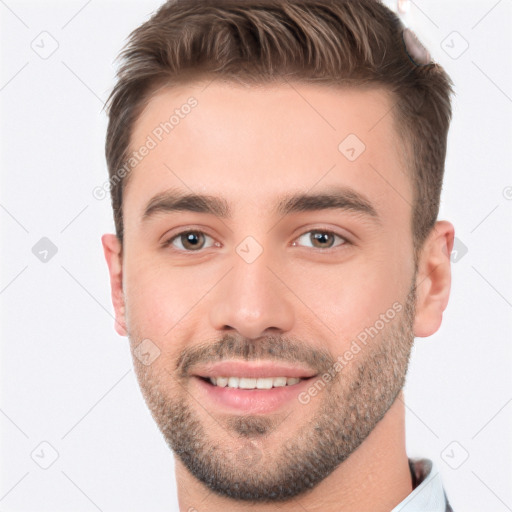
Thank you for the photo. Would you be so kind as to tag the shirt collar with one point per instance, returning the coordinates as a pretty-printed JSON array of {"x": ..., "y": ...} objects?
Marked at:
[{"x": 428, "y": 494}]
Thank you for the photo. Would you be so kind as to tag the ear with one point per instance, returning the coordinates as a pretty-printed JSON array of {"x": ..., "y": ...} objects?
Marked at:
[
  {"x": 112, "y": 249},
  {"x": 433, "y": 279}
]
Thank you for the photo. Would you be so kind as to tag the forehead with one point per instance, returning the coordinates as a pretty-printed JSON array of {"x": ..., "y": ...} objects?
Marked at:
[{"x": 254, "y": 142}]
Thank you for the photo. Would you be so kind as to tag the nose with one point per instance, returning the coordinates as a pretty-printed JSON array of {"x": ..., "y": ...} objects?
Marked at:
[{"x": 253, "y": 298}]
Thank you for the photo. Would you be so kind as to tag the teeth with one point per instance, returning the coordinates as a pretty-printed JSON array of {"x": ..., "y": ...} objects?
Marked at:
[
  {"x": 245, "y": 383},
  {"x": 220, "y": 381},
  {"x": 252, "y": 383},
  {"x": 278, "y": 382},
  {"x": 262, "y": 383}
]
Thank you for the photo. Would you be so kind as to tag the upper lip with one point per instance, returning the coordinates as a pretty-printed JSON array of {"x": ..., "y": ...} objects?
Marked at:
[{"x": 252, "y": 370}]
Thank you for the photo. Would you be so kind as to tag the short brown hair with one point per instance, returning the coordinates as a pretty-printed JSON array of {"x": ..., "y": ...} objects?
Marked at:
[{"x": 345, "y": 42}]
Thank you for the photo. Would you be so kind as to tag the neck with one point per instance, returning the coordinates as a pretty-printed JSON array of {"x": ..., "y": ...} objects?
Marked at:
[{"x": 376, "y": 477}]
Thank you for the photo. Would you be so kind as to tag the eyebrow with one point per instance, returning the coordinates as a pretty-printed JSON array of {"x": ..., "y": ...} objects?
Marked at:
[{"x": 339, "y": 198}]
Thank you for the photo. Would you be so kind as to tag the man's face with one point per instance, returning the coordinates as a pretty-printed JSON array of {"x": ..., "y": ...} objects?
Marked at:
[{"x": 265, "y": 291}]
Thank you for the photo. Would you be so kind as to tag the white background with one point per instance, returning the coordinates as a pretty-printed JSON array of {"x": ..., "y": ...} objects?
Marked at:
[{"x": 67, "y": 377}]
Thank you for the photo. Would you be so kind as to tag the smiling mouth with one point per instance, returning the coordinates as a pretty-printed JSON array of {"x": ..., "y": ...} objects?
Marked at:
[
  {"x": 253, "y": 383},
  {"x": 255, "y": 387}
]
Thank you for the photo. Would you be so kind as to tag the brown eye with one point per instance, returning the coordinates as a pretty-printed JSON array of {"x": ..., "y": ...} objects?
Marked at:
[
  {"x": 190, "y": 241},
  {"x": 322, "y": 239}
]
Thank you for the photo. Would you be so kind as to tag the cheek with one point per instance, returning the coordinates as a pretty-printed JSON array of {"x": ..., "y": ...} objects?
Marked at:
[
  {"x": 151, "y": 300},
  {"x": 158, "y": 297},
  {"x": 350, "y": 298}
]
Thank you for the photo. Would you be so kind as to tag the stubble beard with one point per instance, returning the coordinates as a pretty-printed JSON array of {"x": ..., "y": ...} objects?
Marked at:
[{"x": 244, "y": 464}]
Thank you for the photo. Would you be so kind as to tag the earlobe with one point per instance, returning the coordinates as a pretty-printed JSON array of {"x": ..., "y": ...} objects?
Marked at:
[
  {"x": 433, "y": 280},
  {"x": 112, "y": 249}
]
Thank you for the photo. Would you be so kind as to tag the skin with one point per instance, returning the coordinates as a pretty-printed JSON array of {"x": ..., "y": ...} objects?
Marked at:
[{"x": 251, "y": 145}]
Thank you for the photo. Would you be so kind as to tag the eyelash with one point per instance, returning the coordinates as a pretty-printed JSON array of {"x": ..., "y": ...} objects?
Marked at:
[{"x": 169, "y": 241}]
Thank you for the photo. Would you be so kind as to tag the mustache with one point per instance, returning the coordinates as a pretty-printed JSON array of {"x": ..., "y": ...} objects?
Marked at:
[{"x": 268, "y": 348}]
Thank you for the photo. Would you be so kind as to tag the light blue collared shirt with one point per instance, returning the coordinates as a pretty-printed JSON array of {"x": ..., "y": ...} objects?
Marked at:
[{"x": 428, "y": 494}]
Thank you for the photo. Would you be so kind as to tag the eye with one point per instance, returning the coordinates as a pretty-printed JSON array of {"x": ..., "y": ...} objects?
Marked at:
[
  {"x": 191, "y": 241},
  {"x": 322, "y": 238},
  {"x": 194, "y": 240}
]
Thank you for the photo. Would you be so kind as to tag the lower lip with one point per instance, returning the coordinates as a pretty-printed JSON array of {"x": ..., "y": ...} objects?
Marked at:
[{"x": 251, "y": 401}]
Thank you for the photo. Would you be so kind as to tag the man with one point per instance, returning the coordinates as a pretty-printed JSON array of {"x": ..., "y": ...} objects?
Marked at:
[{"x": 275, "y": 171}]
